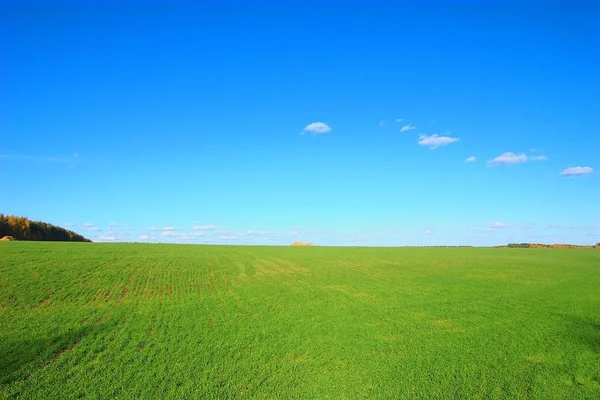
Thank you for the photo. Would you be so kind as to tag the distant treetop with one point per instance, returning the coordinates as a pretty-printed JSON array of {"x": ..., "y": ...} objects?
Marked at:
[{"x": 309, "y": 244}]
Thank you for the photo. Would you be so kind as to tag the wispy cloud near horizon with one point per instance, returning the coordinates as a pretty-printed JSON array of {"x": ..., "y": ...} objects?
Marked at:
[{"x": 205, "y": 228}]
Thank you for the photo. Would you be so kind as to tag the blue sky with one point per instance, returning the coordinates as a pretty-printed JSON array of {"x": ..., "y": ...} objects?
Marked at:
[{"x": 264, "y": 123}]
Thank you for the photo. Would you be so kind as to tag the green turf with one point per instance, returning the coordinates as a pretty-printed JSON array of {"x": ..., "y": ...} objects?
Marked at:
[{"x": 181, "y": 321}]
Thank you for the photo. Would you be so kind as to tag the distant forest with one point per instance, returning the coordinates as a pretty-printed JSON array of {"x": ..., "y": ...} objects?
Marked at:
[
  {"x": 21, "y": 228},
  {"x": 549, "y": 246}
]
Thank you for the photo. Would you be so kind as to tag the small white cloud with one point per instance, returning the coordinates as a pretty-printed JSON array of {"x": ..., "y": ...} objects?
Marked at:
[
  {"x": 317, "y": 128},
  {"x": 227, "y": 237},
  {"x": 353, "y": 239},
  {"x": 67, "y": 224},
  {"x": 576, "y": 171},
  {"x": 509, "y": 158},
  {"x": 538, "y": 158},
  {"x": 94, "y": 229},
  {"x": 407, "y": 128},
  {"x": 435, "y": 140},
  {"x": 168, "y": 228},
  {"x": 113, "y": 224},
  {"x": 144, "y": 237},
  {"x": 257, "y": 233},
  {"x": 88, "y": 224},
  {"x": 471, "y": 159},
  {"x": 381, "y": 124},
  {"x": 205, "y": 227},
  {"x": 107, "y": 238},
  {"x": 399, "y": 120},
  {"x": 153, "y": 228},
  {"x": 498, "y": 225},
  {"x": 181, "y": 236},
  {"x": 428, "y": 232},
  {"x": 293, "y": 234}
]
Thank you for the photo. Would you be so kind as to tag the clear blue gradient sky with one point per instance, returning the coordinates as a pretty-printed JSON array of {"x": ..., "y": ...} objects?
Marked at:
[{"x": 182, "y": 122}]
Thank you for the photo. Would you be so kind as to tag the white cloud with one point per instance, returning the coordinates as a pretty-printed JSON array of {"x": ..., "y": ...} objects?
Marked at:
[
  {"x": 113, "y": 224},
  {"x": 257, "y": 233},
  {"x": 293, "y": 234},
  {"x": 173, "y": 235},
  {"x": 428, "y": 232},
  {"x": 381, "y": 123},
  {"x": 538, "y": 158},
  {"x": 317, "y": 128},
  {"x": 576, "y": 171},
  {"x": 435, "y": 140},
  {"x": 168, "y": 228},
  {"x": 153, "y": 228},
  {"x": 91, "y": 227},
  {"x": 399, "y": 120},
  {"x": 227, "y": 237},
  {"x": 205, "y": 227},
  {"x": 353, "y": 239},
  {"x": 498, "y": 225},
  {"x": 107, "y": 238},
  {"x": 495, "y": 226},
  {"x": 471, "y": 159},
  {"x": 407, "y": 128},
  {"x": 509, "y": 158},
  {"x": 145, "y": 237},
  {"x": 67, "y": 224}
]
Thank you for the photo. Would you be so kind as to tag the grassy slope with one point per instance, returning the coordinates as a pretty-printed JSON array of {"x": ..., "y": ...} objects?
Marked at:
[{"x": 169, "y": 321}]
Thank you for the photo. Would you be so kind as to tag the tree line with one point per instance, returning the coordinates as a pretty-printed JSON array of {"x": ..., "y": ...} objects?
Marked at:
[
  {"x": 21, "y": 228},
  {"x": 549, "y": 246}
]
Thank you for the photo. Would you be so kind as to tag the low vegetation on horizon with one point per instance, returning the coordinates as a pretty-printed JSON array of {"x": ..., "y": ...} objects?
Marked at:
[
  {"x": 172, "y": 321},
  {"x": 549, "y": 246}
]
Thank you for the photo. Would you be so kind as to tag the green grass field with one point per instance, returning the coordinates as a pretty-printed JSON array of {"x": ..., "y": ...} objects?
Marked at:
[{"x": 181, "y": 321}]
